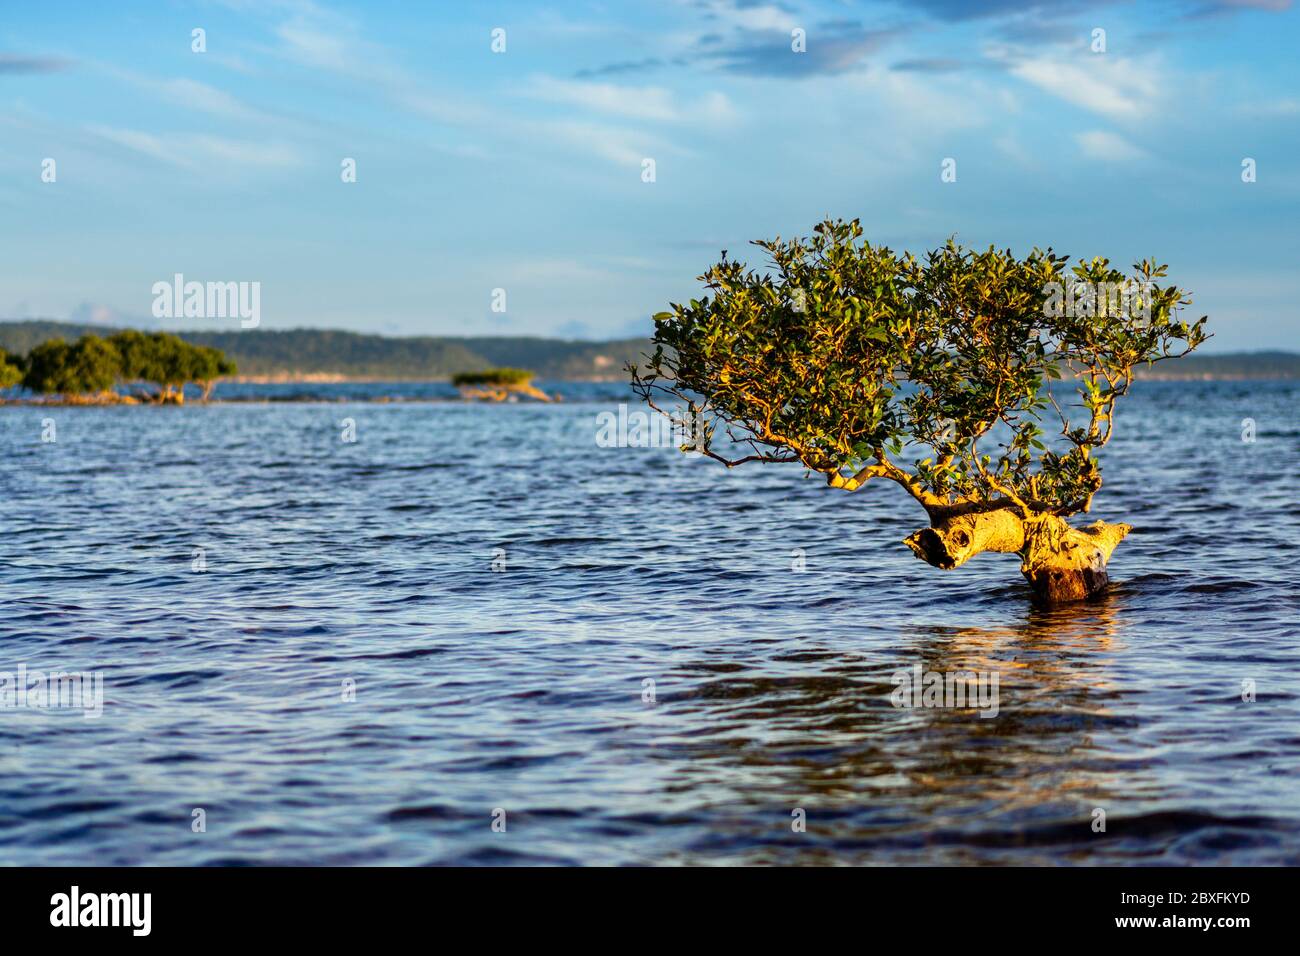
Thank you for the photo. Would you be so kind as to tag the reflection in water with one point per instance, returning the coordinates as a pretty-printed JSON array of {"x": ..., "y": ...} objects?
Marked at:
[
  {"x": 1032, "y": 759},
  {"x": 929, "y": 784}
]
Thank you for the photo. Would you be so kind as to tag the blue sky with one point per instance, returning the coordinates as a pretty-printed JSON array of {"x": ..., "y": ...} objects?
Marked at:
[{"x": 522, "y": 170}]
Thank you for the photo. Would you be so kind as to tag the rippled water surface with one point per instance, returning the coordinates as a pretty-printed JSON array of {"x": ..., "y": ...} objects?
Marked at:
[{"x": 522, "y": 689}]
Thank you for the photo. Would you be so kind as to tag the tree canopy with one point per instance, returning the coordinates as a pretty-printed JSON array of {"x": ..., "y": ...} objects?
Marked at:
[
  {"x": 498, "y": 384},
  {"x": 861, "y": 363},
  {"x": 87, "y": 366},
  {"x": 94, "y": 365},
  {"x": 11, "y": 369},
  {"x": 493, "y": 376},
  {"x": 942, "y": 373}
]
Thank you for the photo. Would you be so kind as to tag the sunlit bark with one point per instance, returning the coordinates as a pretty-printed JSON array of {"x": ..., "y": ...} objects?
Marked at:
[{"x": 1060, "y": 562}]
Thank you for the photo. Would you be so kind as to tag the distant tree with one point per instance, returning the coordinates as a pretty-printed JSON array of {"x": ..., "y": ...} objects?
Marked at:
[
  {"x": 497, "y": 384},
  {"x": 135, "y": 351},
  {"x": 207, "y": 365},
  {"x": 493, "y": 376},
  {"x": 89, "y": 366},
  {"x": 168, "y": 362},
  {"x": 860, "y": 364},
  {"x": 47, "y": 366},
  {"x": 93, "y": 366},
  {"x": 171, "y": 365},
  {"x": 11, "y": 369}
]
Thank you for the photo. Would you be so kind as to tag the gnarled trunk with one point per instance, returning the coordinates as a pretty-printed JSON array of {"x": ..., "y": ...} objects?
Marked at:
[{"x": 1060, "y": 562}]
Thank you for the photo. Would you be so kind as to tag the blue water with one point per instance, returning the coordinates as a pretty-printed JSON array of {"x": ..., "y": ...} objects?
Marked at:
[{"x": 522, "y": 689}]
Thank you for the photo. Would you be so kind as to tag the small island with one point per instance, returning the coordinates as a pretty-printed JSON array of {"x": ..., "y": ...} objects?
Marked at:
[
  {"x": 498, "y": 385},
  {"x": 128, "y": 367}
]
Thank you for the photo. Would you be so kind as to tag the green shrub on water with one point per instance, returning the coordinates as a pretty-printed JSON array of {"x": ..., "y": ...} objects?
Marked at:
[{"x": 499, "y": 377}]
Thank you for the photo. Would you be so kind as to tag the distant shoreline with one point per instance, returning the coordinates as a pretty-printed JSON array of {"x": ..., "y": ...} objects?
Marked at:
[
  {"x": 279, "y": 400},
  {"x": 317, "y": 356},
  {"x": 1213, "y": 377},
  {"x": 450, "y": 399},
  {"x": 331, "y": 378}
]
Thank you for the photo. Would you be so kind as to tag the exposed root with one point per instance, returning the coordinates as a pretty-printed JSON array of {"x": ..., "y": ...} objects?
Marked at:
[
  {"x": 1060, "y": 562},
  {"x": 1063, "y": 563}
]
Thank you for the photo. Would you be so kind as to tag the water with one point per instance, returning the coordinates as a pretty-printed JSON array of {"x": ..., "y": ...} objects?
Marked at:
[{"x": 522, "y": 689}]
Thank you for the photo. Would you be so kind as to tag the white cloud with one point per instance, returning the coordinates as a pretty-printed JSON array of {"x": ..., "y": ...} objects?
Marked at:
[
  {"x": 190, "y": 94},
  {"x": 554, "y": 269},
  {"x": 616, "y": 145},
  {"x": 207, "y": 99},
  {"x": 910, "y": 105},
  {"x": 640, "y": 102},
  {"x": 1010, "y": 145},
  {"x": 246, "y": 153},
  {"x": 1107, "y": 146},
  {"x": 331, "y": 43},
  {"x": 636, "y": 102},
  {"x": 752, "y": 16},
  {"x": 315, "y": 47},
  {"x": 1116, "y": 88},
  {"x": 146, "y": 144},
  {"x": 187, "y": 151}
]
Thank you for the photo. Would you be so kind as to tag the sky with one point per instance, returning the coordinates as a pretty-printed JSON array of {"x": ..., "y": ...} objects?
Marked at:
[{"x": 504, "y": 146}]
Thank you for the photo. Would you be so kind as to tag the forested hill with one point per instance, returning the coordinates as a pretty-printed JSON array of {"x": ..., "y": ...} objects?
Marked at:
[
  {"x": 1230, "y": 365},
  {"x": 261, "y": 352}
]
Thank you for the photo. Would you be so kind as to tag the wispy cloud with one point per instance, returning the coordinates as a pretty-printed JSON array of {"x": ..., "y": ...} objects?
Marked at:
[
  {"x": 757, "y": 39},
  {"x": 146, "y": 144},
  {"x": 979, "y": 9},
  {"x": 1112, "y": 87},
  {"x": 629, "y": 66},
  {"x": 636, "y": 102},
  {"x": 933, "y": 65},
  {"x": 190, "y": 151},
  {"x": 1108, "y": 147},
  {"x": 200, "y": 96},
  {"x": 619, "y": 146},
  {"x": 840, "y": 48},
  {"x": 641, "y": 102},
  {"x": 321, "y": 40},
  {"x": 247, "y": 152},
  {"x": 314, "y": 46},
  {"x": 16, "y": 63},
  {"x": 750, "y": 14},
  {"x": 1214, "y": 8},
  {"x": 189, "y": 94}
]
